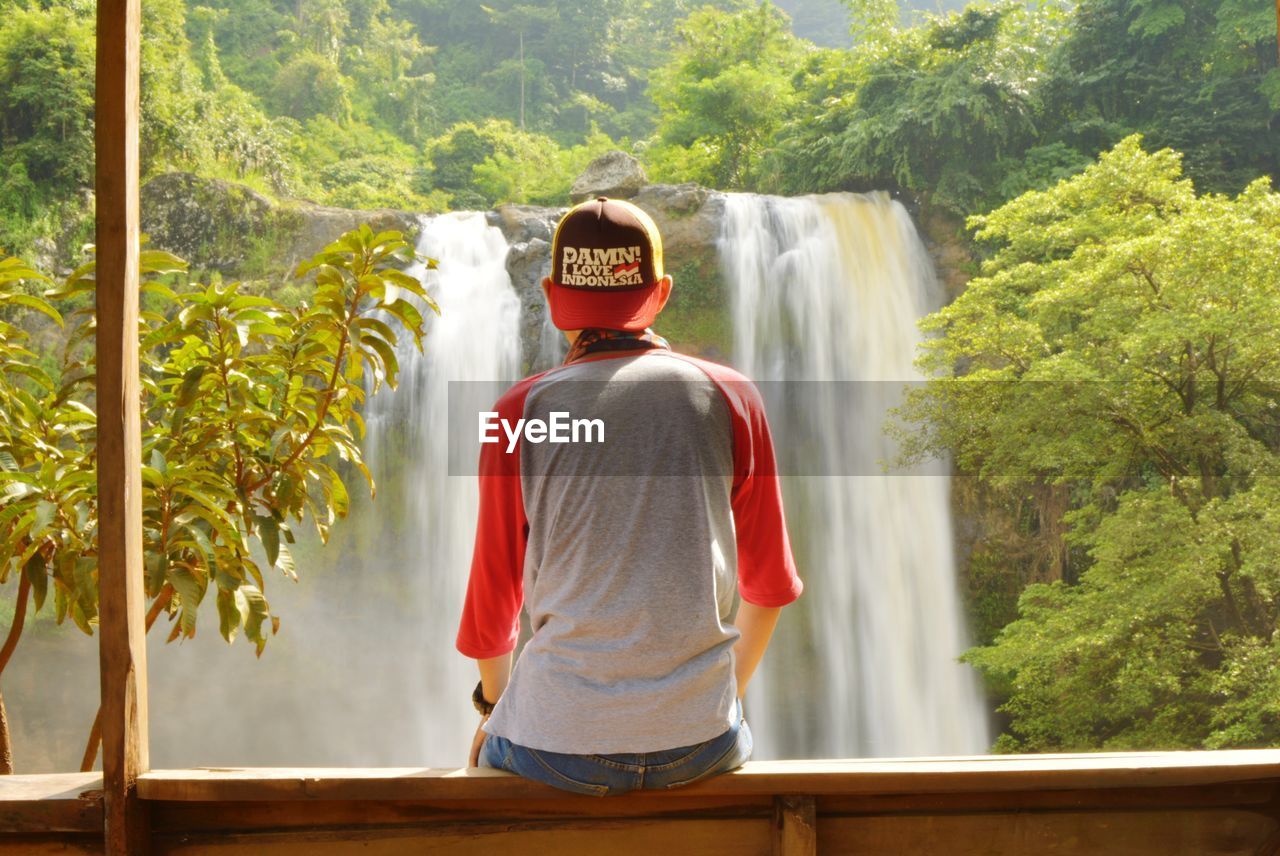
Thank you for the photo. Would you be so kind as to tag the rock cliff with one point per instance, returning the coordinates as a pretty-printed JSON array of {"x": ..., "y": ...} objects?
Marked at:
[
  {"x": 232, "y": 229},
  {"x": 220, "y": 226}
]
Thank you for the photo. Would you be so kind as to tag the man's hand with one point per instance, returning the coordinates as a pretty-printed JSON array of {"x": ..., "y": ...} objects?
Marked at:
[
  {"x": 477, "y": 742},
  {"x": 494, "y": 674}
]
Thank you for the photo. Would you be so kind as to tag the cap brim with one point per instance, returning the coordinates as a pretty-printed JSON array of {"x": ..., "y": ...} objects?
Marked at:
[{"x": 631, "y": 309}]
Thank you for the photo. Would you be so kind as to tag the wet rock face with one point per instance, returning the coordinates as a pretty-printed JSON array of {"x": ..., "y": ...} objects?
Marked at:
[
  {"x": 229, "y": 228},
  {"x": 204, "y": 221},
  {"x": 318, "y": 225},
  {"x": 697, "y": 317},
  {"x": 528, "y": 230},
  {"x": 688, "y": 218},
  {"x": 615, "y": 174},
  {"x": 952, "y": 256},
  {"x": 520, "y": 223},
  {"x": 527, "y": 263}
]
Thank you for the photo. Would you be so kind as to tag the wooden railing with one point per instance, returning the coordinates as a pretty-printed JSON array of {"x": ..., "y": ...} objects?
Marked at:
[{"x": 1192, "y": 803}]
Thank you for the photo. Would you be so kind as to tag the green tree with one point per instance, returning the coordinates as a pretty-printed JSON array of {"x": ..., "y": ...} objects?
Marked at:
[
  {"x": 393, "y": 74},
  {"x": 1120, "y": 343},
  {"x": 312, "y": 85},
  {"x": 247, "y": 406},
  {"x": 1198, "y": 76},
  {"x": 726, "y": 90},
  {"x": 872, "y": 20},
  {"x": 46, "y": 106},
  {"x": 480, "y": 165},
  {"x": 175, "y": 103},
  {"x": 531, "y": 168},
  {"x": 946, "y": 108}
]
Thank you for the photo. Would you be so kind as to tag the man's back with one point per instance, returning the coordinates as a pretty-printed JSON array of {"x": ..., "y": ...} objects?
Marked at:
[{"x": 630, "y": 566}]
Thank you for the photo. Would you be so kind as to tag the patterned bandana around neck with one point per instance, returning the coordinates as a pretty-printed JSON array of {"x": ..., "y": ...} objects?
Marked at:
[{"x": 596, "y": 339}]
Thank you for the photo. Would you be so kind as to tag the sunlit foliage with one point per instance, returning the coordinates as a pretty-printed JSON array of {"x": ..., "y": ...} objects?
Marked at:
[
  {"x": 1120, "y": 341},
  {"x": 247, "y": 405}
]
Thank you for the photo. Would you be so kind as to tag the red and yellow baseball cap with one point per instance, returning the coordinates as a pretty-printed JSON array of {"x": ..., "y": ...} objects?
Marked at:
[{"x": 606, "y": 262}]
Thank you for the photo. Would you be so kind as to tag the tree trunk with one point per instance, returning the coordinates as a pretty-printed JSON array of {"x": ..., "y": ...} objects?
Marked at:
[
  {"x": 91, "y": 748},
  {"x": 6, "y": 748},
  {"x": 6, "y": 652},
  {"x": 95, "y": 733}
]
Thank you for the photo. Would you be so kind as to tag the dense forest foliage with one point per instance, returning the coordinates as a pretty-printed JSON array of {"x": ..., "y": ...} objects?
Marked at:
[
  {"x": 1110, "y": 378},
  {"x": 428, "y": 104}
]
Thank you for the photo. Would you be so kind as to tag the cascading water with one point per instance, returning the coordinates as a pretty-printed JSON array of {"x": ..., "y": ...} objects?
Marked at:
[
  {"x": 828, "y": 289},
  {"x": 475, "y": 338}
]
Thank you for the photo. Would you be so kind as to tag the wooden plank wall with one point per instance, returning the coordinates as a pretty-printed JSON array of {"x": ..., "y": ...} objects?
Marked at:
[
  {"x": 194, "y": 813},
  {"x": 1112, "y": 804},
  {"x": 1222, "y": 820}
]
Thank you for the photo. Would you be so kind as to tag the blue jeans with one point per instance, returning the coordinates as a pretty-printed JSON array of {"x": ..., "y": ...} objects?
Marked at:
[{"x": 604, "y": 775}]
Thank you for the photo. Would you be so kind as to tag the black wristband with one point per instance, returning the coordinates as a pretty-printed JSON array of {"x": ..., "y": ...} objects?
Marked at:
[{"x": 478, "y": 699}]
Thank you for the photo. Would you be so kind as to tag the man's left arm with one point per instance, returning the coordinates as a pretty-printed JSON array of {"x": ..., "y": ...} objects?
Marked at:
[{"x": 490, "y": 625}]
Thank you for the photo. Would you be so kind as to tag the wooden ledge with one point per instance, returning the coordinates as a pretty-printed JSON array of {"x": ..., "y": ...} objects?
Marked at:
[
  {"x": 969, "y": 774},
  {"x": 1118, "y": 804},
  {"x": 60, "y": 802}
]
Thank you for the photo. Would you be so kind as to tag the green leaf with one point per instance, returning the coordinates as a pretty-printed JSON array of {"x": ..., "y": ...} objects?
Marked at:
[
  {"x": 229, "y": 614},
  {"x": 37, "y": 304},
  {"x": 269, "y": 535},
  {"x": 255, "y": 610},
  {"x": 190, "y": 385},
  {"x": 158, "y": 462},
  {"x": 39, "y": 578},
  {"x": 158, "y": 261},
  {"x": 286, "y": 563},
  {"x": 84, "y": 610},
  {"x": 390, "y": 365},
  {"x": 190, "y": 590},
  {"x": 154, "y": 566},
  {"x": 45, "y": 512}
]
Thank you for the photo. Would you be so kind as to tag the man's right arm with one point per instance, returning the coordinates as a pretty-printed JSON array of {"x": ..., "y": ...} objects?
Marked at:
[
  {"x": 756, "y": 624},
  {"x": 767, "y": 578}
]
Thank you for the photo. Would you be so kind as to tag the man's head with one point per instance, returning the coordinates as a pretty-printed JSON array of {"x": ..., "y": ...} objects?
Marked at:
[{"x": 606, "y": 268}]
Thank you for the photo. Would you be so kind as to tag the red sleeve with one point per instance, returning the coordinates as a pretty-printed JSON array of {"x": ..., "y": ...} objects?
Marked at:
[
  {"x": 766, "y": 568},
  {"x": 490, "y": 623}
]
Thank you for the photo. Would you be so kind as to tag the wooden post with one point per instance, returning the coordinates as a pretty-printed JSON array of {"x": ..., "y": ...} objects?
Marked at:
[
  {"x": 122, "y": 648},
  {"x": 795, "y": 828}
]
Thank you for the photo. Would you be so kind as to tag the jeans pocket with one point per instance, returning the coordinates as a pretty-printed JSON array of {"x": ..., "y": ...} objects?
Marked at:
[
  {"x": 546, "y": 772},
  {"x": 706, "y": 772},
  {"x": 666, "y": 762},
  {"x": 733, "y": 756}
]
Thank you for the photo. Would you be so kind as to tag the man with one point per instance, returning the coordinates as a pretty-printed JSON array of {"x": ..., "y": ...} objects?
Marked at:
[{"x": 626, "y": 546}]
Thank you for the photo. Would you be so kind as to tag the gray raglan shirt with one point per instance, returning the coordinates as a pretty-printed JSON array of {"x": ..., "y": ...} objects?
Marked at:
[{"x": 626, "y": 551}]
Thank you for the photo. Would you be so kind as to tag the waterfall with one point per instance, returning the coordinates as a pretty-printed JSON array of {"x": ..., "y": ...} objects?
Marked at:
[
  {"x": 476, "y": 338},
  {"x": 364, "y": 671},
  {"x": 825, "y": 295}
]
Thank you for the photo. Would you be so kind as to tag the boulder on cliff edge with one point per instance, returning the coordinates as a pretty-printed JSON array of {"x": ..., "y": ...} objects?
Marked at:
[{"x": 615, "y": 174}]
